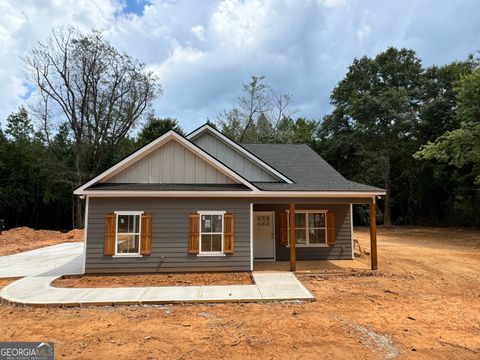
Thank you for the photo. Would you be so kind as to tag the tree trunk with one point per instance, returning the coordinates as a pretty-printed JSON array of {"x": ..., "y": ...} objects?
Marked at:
[{"x": 387, "y": 218}]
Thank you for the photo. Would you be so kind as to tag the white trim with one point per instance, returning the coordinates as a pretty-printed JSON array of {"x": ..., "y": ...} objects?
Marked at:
[
  {"x": 85, "y": 231},
  {"x": 134, "y": 213},
  {"x": 137, "y": 155},
  {"x": 251, "y": 236},
  {"x": 236, "y": 146},
  {"x": 272, "y": 213},
  {"x": 210, "y": 254},
  {"x": 243, "y": 194},
  {"x": 307, "y": 228},
  {"x": 130, "y": 255},
  {"x": 210, "y": 212},
  {"x": 351, "y": 231}
]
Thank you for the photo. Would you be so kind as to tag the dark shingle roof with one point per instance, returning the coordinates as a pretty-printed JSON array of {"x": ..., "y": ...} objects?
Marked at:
[
  {"x": 169, "y": 187},
  {"x": 304, "y": 167}
]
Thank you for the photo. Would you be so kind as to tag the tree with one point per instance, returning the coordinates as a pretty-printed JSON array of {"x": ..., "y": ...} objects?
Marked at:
[
  {"x": 460, "y": 147},
  {"x": 100, "y": 92},
  {"x": 376, "y": 114},
  {"x": 258, "y": 113},
  {"x": 156, "y": 127},
  {"x": 297, "y": 131},
  {"x": 21, "y": 179}
]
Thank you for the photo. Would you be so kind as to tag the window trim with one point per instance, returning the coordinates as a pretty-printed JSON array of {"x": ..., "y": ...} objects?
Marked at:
[
  {"x": 307, "y": 228},
  {"x": 200, "y": 233},
  {"x": 133, "y": 212}
]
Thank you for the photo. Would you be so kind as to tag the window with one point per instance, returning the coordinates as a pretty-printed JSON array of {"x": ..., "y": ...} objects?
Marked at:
[
  {"x": 310, "y": 228},
  {"x": 211, "y": 232},
  {"x": 127, "y": 241}
]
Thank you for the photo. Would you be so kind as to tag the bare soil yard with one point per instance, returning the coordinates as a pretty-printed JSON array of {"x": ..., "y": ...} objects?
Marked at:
[
  {"x": 141, "y": 280},
  {"x": 22, "y": 239},
  {"x": 424, "y": 303}
]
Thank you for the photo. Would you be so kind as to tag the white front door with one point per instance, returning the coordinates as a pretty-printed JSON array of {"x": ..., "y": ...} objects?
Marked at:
[{"x": 264, "y": 234}]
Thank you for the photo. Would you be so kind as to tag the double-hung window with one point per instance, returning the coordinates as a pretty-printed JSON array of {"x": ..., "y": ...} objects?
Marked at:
[
  {"x": 310, "y": 228},
  {"x": 211, "y": 232},
  {"x": 128, "y": 229}
]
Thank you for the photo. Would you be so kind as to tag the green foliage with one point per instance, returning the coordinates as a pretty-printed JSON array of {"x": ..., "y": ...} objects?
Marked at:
[
  {"x": 460, "y": 148},
  {"x": 21, "y": 172},
  {"x": 376, "y": 113},
  {"x": 156, "y": 127},
  {"x": 386, "y": 108}
]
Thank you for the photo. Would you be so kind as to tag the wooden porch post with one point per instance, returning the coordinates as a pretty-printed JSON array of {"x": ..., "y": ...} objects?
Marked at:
[
  {"x": 293, "y": 258},
  {"x": 373, "y": 236}
]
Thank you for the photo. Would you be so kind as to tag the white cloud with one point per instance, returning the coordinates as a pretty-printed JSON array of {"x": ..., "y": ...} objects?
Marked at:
[
  {"x": 239, "y": 23},
  {"x": 202, "y": 54},
  {"x": 24, "y": 23},
  {"x": 363, "y": 31},
  {"x": 334, "y": 3},
  {"x": 199, "y": 32}
]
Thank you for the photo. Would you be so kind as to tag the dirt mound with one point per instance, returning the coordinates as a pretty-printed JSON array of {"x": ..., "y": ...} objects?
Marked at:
[
  {"x": 75, "y": 235},
  {"x": 23, "y": 238}
]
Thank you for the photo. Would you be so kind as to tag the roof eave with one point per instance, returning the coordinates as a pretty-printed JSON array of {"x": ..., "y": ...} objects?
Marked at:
[{"x": 254, "y": 193}]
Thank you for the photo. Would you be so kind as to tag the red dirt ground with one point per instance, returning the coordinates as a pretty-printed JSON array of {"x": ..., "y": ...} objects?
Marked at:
[
  {"x": 423, "y": 303},
  {"x": 141, "y": 280},
  {"x": 22, "y": 239}
]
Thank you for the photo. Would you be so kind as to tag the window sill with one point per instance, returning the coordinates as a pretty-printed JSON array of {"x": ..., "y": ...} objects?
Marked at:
[
  {"x": 127, "y": 256},
  {"x": 210, "y": 255},
  {"x": 310, "y": 246}
]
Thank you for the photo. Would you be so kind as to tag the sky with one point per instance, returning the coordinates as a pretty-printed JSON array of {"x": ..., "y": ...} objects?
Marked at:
[{"x": 203, "y": 50}]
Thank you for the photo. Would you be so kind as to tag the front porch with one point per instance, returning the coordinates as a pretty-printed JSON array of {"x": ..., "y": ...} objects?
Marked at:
[{"x": 308, "y": 235}]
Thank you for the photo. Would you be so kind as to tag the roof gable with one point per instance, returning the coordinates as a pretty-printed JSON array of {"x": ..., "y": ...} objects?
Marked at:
[
  {"x": 168, "y": 159},
  {"x": 171, "y": 163},
  {"x": 235, "y": 156}
]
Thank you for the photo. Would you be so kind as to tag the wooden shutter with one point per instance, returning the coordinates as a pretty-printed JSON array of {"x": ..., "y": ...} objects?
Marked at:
[
  {"x": 193, "y": 234},
  {"x": 283, "y": 228},
  {"x": 331, "y": 231},
  {"x": 109, "y": 240},
  {"x": 228, "y": 234},
  {"x": 146, "y": 235}
]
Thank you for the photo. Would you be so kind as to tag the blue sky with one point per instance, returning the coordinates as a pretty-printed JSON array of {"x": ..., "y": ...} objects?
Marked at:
[{"x": 202, "y": 51}]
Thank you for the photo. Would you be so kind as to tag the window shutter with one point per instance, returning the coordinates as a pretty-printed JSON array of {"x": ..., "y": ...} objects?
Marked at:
[
  {"x": 331, "y": 231},
  {"x": 109, "y": 240},
  {"x": 194, "y": 234},
  {"x": 146, "y": 235},
  {"x": 283, "y": 228},
  {"x": 228, "y": 234}
]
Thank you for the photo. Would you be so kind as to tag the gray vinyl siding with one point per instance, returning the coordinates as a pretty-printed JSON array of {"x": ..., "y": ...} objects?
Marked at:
[
  {"x": 169, "y": 236},
  {"x": 233, "y": 158},
  {"x": 172, "y": 163},
  {"x": 170, "y": 233},
  {"x": 343, "y": 246}
]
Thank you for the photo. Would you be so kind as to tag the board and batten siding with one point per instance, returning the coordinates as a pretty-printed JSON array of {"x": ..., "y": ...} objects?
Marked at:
[
  {"x": 172, "y": 163},
  {"x": 343, "y": 245},
  {"x": 233, "y": 158},
  {"x": 169, "y": 251}
]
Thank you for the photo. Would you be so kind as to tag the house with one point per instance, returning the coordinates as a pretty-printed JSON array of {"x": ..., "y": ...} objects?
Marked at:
[{"x": 206, "y": 203}]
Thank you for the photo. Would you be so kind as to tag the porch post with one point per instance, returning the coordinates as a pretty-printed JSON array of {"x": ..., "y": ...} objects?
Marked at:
[
  {"x": 293, "y": 258},
  {"x": 373, "y": 236}
]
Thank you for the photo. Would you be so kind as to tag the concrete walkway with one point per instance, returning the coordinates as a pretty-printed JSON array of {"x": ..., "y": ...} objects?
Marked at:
[
  {"x": 36, "y": 290},
  {"x": 41, "y": 260}
]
